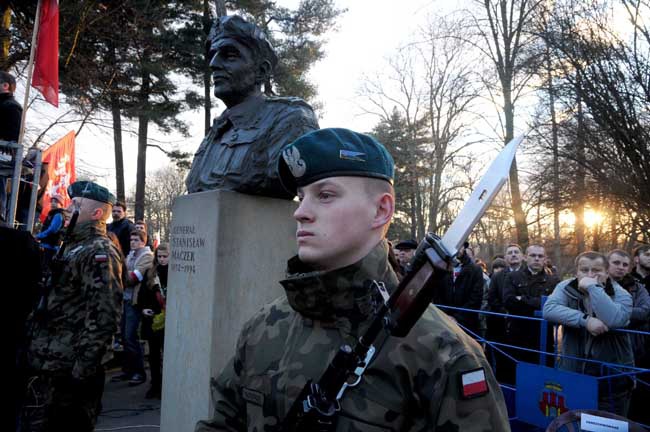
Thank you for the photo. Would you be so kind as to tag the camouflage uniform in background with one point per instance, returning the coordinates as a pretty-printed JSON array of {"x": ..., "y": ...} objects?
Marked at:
[
  {"x": 69, "y": 343},
  {"x": 413, "y": 384}
]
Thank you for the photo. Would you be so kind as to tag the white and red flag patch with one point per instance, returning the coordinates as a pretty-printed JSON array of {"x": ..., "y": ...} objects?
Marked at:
[
  {"x": 101, "y": 258},
  {"x": 473, "y": 383}
]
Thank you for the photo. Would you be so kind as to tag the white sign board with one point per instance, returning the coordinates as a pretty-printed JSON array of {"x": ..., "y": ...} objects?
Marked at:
[{"x": 592, "y": 423}]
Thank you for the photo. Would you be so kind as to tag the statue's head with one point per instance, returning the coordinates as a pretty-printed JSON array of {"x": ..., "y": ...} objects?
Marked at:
[{"x": 241, "y": 58}]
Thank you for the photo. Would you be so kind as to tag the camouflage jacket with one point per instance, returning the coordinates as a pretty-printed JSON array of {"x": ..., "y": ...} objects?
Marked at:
[
  {"x": 83, "y": 307},
  {"x": 413, "y": 384}
]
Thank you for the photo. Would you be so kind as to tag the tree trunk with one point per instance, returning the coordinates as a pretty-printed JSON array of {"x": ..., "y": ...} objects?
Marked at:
[
  {"x": 557, "y": 248},
  {"x": 143, "y": 127},
  {"x": 221, "y": 7},
  {"x": 579, "y": 208},
  {"x": 119, "y": 157},
  {"x": 520, "y": 218},
  {"x": 116, "y": 113},
  {"x": 413, "y": 215},
  {"x": 420, "y": 212},
  {"x": 207, "y": 104}
]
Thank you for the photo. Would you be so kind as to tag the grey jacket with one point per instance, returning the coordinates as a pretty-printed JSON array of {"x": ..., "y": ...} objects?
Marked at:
[{"x": 570, "y": 307}]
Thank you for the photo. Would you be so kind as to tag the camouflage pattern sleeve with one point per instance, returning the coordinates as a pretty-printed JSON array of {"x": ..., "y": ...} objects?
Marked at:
[
  {"x": 101, "y": 285},
  {"x": 466, "y": 405},
  {"x": 229, "y": 406}
]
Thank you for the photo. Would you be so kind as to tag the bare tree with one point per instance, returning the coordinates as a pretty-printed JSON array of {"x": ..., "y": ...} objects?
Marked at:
[
  {"x": 165, "y": 184},
  {"x": 450, "y": 91},
  {"x": 430, "y": 85},
  {"x": 609, "y": 74},
  {"x": 503, "y": 28}
]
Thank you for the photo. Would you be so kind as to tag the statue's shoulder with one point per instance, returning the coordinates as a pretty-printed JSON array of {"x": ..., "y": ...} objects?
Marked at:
[{"x": 288, "y": 101}]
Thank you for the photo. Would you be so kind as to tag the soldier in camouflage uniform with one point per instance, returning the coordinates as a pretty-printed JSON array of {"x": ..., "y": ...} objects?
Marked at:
[
  {"x": 435, "y": 378},
  {"x": 69, "y": 339}
]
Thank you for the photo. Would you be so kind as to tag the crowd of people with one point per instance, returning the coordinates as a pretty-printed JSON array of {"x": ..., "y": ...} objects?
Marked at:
[
  {"x": 607, "y": 292},
  {"x": 144, "y": 282}
]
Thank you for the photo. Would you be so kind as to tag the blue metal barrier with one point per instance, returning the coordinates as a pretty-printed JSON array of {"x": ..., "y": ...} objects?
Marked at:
[{"x": 536, "y": 398}]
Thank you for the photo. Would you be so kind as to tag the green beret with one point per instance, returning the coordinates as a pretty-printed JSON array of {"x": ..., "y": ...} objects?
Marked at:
[
  {"x": 90, "y": 190},
  {"x": 237, "y": 28},
  {"x": 333, "y": 152}
]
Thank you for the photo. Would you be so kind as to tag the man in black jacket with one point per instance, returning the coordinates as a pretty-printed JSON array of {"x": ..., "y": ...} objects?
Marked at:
[
  {"x": 121, "y": 227},
  {"x": 10, "y": 114},
  {"x": 465, "y": 291},
  {"x": 10, "y": 110},
  {"x": 641, "y": 270},
  {"x": 522, "y": 294},
  {"x": 496, "y": 325}
]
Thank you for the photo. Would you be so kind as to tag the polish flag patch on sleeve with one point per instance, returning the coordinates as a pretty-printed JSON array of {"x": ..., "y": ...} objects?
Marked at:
[
  {"x": 473, "y": 383},
  {"x": 101, "y": 258}
]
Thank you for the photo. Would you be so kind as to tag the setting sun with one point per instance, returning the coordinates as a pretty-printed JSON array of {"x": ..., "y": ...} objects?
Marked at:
[{"x": 593, "y": 218}]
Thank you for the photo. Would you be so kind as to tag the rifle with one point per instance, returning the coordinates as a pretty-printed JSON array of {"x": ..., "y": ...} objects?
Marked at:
[
  {"x": 40, "y": 311},
  {"x": 56, "y": 268},
  {"x": 318, "y": 403},
  {"x": 316, "y": 406}
]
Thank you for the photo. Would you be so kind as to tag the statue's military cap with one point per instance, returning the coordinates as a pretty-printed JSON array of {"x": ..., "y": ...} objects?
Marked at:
[
  {"x": 236, "y": 27},
  {"x": 90, "y": 190},
  {"x": 333, "y": 152}
]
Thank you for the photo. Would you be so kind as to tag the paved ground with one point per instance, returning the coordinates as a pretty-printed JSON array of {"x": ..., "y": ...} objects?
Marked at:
[{"x": 126, "y": 409}]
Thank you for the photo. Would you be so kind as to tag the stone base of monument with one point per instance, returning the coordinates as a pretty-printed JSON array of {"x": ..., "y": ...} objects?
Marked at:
[{"x": 228, "y": 252}]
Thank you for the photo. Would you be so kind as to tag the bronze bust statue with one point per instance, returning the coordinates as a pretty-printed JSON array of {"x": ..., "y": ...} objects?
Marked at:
[{"x": 241, "y": 150}]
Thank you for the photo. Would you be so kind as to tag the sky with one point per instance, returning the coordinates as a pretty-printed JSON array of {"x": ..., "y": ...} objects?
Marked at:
[{"x": 367, "y": 33}]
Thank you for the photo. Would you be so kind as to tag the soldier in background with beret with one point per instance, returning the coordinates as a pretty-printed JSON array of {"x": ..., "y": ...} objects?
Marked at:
[
  {"x": 70, "y": 335},
  {"x": 435, "y": 378},
  {"x": 241, "y": 149}
]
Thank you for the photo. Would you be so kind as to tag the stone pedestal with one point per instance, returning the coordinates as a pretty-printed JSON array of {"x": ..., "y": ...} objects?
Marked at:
[{"x": 228, "y": 252}]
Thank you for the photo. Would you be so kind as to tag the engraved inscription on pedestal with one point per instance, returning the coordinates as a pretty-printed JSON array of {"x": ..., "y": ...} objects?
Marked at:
[{"x": 185, "y": 245}]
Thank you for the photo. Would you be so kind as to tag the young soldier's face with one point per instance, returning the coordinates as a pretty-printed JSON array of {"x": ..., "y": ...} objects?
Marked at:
[
  {"x": 593, "y": 268},
  {"x": 618, "y": 266},
  {"x": 335, "y": 219}
]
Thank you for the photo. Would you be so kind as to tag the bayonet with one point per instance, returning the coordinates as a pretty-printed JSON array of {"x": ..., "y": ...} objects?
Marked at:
[{"x": 316, "y": 406}]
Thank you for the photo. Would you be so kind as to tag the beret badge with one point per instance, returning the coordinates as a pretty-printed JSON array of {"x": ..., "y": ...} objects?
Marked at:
[{"x": 297, "y": 166}]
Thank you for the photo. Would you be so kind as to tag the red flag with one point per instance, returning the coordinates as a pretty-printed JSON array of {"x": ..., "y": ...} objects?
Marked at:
[
  {"x": 46, "y": 65},
  {"x": 59, "y": 158}
]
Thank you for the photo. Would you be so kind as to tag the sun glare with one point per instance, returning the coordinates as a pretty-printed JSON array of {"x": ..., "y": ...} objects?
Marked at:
[{"x": 593, "y": 218}]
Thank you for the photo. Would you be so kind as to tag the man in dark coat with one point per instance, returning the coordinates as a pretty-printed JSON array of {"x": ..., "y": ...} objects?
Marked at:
[
  {"x": 121, "y": 227},
  {"x": 465, "y": 291},
  {"x": 641, "y": 270},
  {"x": 522, "y": 294},
  {"x": 10, "y": 115},
  {"x": 496, "y": 325},
  {"x": 10, "y": 110}
]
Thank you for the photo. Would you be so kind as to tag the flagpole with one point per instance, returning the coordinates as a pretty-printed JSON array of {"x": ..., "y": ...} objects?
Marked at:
[
  {"x": 30, "y": 70},
  {"x": 15, "y": 180}
]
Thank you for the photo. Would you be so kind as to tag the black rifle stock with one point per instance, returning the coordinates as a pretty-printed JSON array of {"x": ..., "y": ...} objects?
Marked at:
[
  {"x": 56, "y": 267},
  {"x": 316, "y": 407}
]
